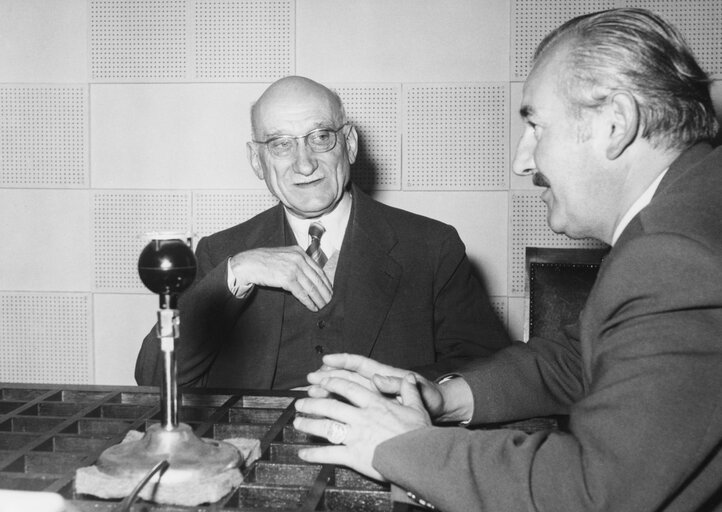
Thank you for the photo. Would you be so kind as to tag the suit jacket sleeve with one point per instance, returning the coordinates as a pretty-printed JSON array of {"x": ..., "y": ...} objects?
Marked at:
[
  {"x": 202, "y": 308},
  {"x": 466, "y": 327},
  {"x": 647, "y": 421}
]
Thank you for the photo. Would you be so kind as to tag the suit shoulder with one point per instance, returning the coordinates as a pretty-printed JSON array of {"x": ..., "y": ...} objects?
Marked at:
[
  {"x": 244, "y": 234},
  {"x": 407, "y": 220},
  {"x": 255, "y": 223}
]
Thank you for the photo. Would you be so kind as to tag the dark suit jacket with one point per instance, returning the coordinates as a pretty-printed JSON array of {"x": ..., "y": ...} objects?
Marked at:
[
  {"x": 640, "y": 376},
  {"x": 412, "y": 301}
]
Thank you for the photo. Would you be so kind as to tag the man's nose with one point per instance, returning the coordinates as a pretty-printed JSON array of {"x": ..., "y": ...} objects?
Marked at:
[
  {"x": 523, "y": 164},
  {"x": 306, "y": 162}
]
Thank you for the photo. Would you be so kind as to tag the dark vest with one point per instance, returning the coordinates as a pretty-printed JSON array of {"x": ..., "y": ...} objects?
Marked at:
[{"x": 306, "y": 336}]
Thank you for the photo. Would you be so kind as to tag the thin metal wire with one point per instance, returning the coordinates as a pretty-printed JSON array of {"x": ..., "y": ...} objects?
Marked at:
[{"x": 130, "y": 499}]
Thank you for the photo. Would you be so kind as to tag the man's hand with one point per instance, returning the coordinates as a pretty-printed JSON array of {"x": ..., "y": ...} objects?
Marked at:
[
  {"x": 374, "y": 376},
  {"x": 289, "y": 268},
  {"x": 369, "y": 420}
]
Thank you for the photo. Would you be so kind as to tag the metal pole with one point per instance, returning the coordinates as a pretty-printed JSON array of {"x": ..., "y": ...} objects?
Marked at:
[{"x": 168, "y": 323}]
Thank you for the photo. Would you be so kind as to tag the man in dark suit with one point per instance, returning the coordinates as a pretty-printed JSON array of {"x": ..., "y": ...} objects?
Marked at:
[
  {"x": 379, "y": 281},
  {"x": 618, "y": 118}
]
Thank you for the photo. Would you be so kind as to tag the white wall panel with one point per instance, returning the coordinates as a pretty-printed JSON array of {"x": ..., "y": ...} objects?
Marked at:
[
  {"x": 456, "y": 137},
  {"x": 517, "y": 318},
  {"x": 172, "y": 135},
  {"x": 46, "y": 337},
  {"x": 45, "y": 240},
  {"x": 120, "y": 323},
  {"x": 220, "y": 209},
  {"x": 44, "y": 135},
  {"x": 403, "y": 40},
  {"x": 375, "y": 111},
  {"x": 43, "y": 41},
  {"x": 479, "y": 217},
  {"x": 531, "y": 20},
  {"x": 120, "y": 221}
]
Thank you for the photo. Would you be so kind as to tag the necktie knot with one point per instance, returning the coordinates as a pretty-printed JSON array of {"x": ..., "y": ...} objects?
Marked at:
[{"x": 315, "y": 231}]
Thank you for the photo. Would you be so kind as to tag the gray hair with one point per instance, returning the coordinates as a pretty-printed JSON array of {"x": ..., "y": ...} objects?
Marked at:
[{"x": 635, "y": 50}]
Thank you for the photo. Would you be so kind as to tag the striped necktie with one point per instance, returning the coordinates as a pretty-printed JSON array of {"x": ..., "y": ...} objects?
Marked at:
[{"x": 315, "y": 231}]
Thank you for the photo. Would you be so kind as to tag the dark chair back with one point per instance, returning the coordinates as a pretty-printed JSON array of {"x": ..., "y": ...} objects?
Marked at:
[{"x": 558, "y": 283}]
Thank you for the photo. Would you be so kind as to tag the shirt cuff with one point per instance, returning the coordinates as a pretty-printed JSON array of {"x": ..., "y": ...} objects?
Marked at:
[
  {"x": 238, "y": 290},
  {"x": 446, "y": 378}
]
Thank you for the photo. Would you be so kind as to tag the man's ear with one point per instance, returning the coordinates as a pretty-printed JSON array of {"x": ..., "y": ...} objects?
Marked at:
[
  {"x": 351, "y": 144},
  {"x": 624, "y": 123},
  {"x": 254, "y": 159}
]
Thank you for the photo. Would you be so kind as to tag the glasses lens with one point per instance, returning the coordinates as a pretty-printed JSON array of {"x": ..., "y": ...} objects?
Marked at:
[
  {"x": 321, "y": 141},
  {"x": 282, "y": 146}
]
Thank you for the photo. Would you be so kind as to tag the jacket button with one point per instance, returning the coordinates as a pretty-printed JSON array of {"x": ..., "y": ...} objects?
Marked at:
[
  {"x": 319, "y": 349},
  {"x": 321, "y": 324}
]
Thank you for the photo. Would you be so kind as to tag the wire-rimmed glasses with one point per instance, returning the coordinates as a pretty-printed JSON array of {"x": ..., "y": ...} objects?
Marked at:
[{"x": 320, "y": 140}]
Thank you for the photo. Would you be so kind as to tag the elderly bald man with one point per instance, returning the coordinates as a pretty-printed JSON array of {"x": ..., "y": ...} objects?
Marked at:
[{"x": 270, "y": 299}]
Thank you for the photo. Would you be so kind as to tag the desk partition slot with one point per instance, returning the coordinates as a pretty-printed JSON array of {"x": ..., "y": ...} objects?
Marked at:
[{"x": 48, "y": 431}]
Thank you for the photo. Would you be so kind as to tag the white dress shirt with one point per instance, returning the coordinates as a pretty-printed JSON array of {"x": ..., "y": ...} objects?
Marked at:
[{"x": 637, "y": 206}]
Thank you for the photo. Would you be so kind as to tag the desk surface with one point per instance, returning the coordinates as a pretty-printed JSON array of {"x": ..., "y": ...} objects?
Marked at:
[{"x": 48, "y": 431}]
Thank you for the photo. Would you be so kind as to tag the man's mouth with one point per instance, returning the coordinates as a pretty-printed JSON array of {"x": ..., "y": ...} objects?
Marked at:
[{"x": 307, "y": 183}]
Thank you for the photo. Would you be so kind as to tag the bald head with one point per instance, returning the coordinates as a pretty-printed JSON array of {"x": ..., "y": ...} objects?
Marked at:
[{"x": 291, "y": 94}]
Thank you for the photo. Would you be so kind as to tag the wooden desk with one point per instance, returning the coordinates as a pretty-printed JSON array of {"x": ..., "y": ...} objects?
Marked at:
[{"x": 48, "y": 431}]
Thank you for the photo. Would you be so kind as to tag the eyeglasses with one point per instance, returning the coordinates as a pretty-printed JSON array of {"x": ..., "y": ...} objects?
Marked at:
[{"x": 320, "y": 140}]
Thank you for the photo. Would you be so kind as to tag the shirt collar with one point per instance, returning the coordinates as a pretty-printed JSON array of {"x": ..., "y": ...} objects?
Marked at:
[
  {"x": 335, "y": 223},
  {"x": 638, "y": 206}
]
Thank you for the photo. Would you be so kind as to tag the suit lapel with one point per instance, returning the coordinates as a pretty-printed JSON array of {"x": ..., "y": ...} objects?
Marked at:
[
  {"x": 276, "y": 233},
  {"x": 372, "y": 275}
]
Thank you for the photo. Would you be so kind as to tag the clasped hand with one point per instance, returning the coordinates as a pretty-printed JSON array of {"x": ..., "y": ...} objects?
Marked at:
[
  {"x": 380, "y": 402},
  {"x": 289, "y": 268}
]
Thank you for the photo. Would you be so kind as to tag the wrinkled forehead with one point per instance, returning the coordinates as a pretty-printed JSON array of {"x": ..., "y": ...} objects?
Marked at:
[
  {"x": 542, "y": 85},
  {"x": 295, "y": 111}
]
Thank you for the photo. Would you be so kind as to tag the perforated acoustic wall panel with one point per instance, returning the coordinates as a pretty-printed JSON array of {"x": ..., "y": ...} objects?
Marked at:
[
  {"x": 700, "y": 21},
  {"x": 457, "y": 137},
  {"x": 46, "y": 337},
  {"x": 529, "y": 228},
  {"x": 500, "y": 308},
  {"x": 120, "y": 219},
  {"x": 44, "y": 135},
  {"x": 248, "y": 39},
  {"x": 375, "y": 112},
  {"x": 533, "y": 19},
  {"x": 143, "y": 39},
  {"x": 221, "y": 209}
]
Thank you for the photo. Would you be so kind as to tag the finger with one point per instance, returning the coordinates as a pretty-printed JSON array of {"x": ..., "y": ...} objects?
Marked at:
[
  {"x": 361, "y": 365},
  {"x": 318, "y": 427},
  {"x": 332, "y": 454},
  {"x": 319, "y": 376},
  {"x": 316, "y": 287},
  {"x": 387, "y": 385},
  {"x": 317, "y": 392},
  {"x": 410, "y": 395},
  {"x": 339, "y": 455},
  {"x": 326, "y": 408},
  {"x": 357, "y": 394}
]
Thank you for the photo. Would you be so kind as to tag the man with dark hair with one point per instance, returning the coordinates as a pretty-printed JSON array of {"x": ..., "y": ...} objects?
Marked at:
[
  {"x": 618, "y": 121},
  {"x": 327, "y": 270}
]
